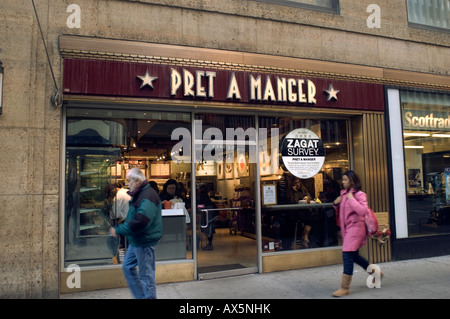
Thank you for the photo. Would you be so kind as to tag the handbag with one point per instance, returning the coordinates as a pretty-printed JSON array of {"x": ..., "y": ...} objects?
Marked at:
[{"x": 371, "y": 222}]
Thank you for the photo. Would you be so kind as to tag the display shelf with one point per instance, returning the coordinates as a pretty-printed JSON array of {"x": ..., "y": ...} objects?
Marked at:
[
  {"x": 87, "y": 210},
  {"x": 88, "y": 189},
  {"x": 94, "y": 184},
  {"x": 86, "y": 173},
  {"x": 91, "y": 226},
  {"x": 90, "y": 184}
]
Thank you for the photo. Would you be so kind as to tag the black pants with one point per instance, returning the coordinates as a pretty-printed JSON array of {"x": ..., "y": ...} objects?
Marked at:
[{"x": 350, "y": 257}]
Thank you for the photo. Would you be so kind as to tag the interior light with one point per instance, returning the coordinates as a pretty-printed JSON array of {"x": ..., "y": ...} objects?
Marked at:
[
  {"x": 441, "y": 135},
  {"x": 413, "y": 146},
  {"x": 417, "y": 134}
]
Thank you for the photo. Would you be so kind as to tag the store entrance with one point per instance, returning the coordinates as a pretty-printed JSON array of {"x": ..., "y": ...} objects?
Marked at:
[{"x": 225, "y": 193}]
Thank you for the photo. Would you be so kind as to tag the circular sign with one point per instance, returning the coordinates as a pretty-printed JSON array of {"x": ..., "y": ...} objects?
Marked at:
[{"x": 302, "y": 153}]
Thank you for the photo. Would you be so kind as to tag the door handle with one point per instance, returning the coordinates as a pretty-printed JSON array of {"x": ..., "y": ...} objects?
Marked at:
[{"x": 206, "y": 218}]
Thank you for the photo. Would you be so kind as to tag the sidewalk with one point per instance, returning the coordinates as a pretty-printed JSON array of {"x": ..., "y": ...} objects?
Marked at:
[{"x": 427, "y": 278}]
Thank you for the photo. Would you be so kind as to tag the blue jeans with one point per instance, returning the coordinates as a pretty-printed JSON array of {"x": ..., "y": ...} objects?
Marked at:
[
  {"x": 142, "y": 284},
  {"x": 350, "y": 257}
]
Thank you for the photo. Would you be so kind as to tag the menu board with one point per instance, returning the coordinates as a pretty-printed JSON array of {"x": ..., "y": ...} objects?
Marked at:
[
  {"x": 159, "y": 170},
  {"x": 269, "y": 194}
]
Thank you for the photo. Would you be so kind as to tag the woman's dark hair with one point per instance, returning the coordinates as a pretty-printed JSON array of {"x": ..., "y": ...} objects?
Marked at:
[
  {"x": 170, "y": 182},
  {"x": 154, "y": 185},
  {"x": 354, "y": 180}
]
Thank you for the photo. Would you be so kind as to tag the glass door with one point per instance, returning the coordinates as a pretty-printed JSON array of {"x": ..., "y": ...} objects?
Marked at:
[{"x": 225, "y": 193}]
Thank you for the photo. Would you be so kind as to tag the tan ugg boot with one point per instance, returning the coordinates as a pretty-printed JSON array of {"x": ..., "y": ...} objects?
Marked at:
[{"x": 345, "y": 286}]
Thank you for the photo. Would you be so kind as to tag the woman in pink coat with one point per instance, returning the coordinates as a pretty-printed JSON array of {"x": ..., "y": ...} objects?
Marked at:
[{"x": 351, "y": 207}]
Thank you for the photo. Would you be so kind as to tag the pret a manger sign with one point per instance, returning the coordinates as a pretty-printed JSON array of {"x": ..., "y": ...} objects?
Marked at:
[
  {"x": 223, "y": 85},
  {"x": 282, "y": 90}
]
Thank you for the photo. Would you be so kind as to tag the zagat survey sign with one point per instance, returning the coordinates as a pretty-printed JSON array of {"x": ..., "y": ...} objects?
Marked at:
[{"x": 303, "y": 153}]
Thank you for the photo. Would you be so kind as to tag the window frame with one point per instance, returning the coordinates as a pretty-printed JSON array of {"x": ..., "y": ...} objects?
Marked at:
[
  {"x": 334, "y": 9},
  {"x": 423, "y": 26}
]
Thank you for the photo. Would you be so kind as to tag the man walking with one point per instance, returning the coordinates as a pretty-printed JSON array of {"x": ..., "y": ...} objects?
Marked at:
[{"x": 143, "y": 228}]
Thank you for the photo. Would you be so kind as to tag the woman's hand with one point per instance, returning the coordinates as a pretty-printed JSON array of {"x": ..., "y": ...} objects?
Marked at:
[
  {"x": 337, "y": 201},
  {"x": 350, "y": 195}
]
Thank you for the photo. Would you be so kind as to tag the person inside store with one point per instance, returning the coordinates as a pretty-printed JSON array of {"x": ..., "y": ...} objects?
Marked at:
[
  {"x": 330, "y": 193},
  {"x": 120, "y": 207},
  {"x": 298, "y": 193},
  {"x": 169, "y": 192},
  {"x": 351, "y": 207},
  {"x": 154, "y": 185},
  {"x": 205, "y": 202},
  {"x": 143, "y": 228},
  {"x": 182, "y": 192}
]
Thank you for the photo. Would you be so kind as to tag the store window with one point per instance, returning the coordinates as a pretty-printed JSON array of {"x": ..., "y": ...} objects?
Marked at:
[
  {"x": 296, "y": 211},
  {"x": 426, "y": 133},
  {"x": 429, "y": 14},
  {"x": 321, "y": 5},
  {"x": 101, "y": 146}
]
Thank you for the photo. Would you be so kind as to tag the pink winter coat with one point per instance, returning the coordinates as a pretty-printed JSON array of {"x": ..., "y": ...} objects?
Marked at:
[{"x": 351, "y": 220}]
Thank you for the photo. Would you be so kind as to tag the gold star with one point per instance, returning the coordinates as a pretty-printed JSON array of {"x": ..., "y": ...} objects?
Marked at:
[
  {"x": 147, "y": 80},
  {"x": 332, "y": 93}
]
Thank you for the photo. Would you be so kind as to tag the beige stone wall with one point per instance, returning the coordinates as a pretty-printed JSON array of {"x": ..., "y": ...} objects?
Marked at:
[
  {"x": 259, "y": 27},
  {"x": 30, "y": 127},
  {"x": 29, "y": 163}
]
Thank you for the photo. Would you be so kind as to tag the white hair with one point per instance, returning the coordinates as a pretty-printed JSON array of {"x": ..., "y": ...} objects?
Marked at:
[{"x": 136, "y": 174}]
